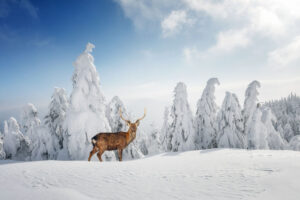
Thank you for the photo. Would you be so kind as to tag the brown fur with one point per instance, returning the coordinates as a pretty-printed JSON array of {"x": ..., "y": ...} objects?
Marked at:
[{"x": 114, "y": 141}]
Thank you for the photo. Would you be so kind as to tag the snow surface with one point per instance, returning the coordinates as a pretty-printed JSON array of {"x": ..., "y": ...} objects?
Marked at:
[{"x": 206, "y": 174}]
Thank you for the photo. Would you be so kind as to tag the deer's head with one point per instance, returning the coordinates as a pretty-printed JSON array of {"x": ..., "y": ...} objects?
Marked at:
[{"x": 133, "y": 125}]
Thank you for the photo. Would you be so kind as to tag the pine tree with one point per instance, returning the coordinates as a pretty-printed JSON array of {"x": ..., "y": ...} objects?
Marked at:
[
  {"x": 206, "y": 114},
  {"x": 181, "y": 130},
  {"x": 85, "y": 116},
  {"x": 250, "y": 107},
  {"x": 2, "y": 152},
  {"x": 231, "y": 126},
  {"x": 32, "y": 128},
  {"x": 165, "y": 137},
  {"x": 275, "y": 141},
  {"x": 257, "y": 132},
  {"x": 54, "y": 121},
  {"x": 287, "y": 132},
  {"x": 16, "y": 145},
  {"x": 154, "y": 145}
]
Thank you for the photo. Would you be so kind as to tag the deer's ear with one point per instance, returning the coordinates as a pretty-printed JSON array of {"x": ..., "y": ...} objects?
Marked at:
[
  {"x": 128, "y": 123},
  {"x": 137, "y": 122}
]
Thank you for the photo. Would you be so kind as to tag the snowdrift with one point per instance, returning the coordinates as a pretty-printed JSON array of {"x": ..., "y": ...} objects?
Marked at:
[{"x": 206, "y": 174}]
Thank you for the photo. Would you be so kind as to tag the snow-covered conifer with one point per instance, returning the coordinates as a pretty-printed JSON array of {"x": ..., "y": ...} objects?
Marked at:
[
  {"x": 85, "y": 116},
  {"x": 250, "y": 106},
  {"x": 231, "y": 126},
  {"x": 16, "y": 145},
  {"x": 154, "y": 144},
  {"x": 54, "y": 121},
  {"x": 287, "y": 132},
  {"x": 206, "y": 114},
  {"x": 274, "y": 138},
  {"x": 2, "y": 152},
  {"x": 39, "y": 137},
  {"x": 257, "y": 132},
  {"x": 164, "y": 136},
  {"x": 181, "y": 130}
]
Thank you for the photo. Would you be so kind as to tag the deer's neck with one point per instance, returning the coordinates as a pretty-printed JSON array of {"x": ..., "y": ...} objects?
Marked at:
[{"x": 131, "y": 136}]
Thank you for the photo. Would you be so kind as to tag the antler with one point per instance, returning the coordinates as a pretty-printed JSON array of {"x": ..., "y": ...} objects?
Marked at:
[
  {"x": 127, "y": 121},
  {"x": 143, "y": 115}
]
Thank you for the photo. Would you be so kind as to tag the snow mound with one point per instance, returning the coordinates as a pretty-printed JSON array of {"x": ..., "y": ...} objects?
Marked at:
[{"x": 206, "y": 174}]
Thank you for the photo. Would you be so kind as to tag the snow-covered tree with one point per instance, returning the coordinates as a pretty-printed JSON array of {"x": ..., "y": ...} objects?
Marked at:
[
  {"x": 231, "y": 126},
  {"x": 16, "y": 145},
  {"x": 294, "y": 144},
  {"x": 164, "y": 136},
  {"x": 287, "y": 132},
  {"x": 275, "y": 141},
  {"x": 257, "y": 132},
  {"x": 287, "y": 112},
  {"x": 117, "y": 124},
  {"x": 250, "y": 106},
  {"x": 32, "y": 128},
  {"x": 181, "y": 130},
  {"x": 2, "y": 152},
  {"x": 54, "y": 121},
  {"x": 113, "y": 114},
  {"x": 153, "y": 143},
  {"x": 206, "y": 114},
  {"x": 85, "y": 116}
]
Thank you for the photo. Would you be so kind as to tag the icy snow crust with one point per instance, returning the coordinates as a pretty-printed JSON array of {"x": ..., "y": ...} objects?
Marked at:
[{"x": 206, "y": 174}]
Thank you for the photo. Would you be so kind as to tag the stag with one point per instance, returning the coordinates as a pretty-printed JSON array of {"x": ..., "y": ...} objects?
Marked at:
[{"x": 115, "y": 141}]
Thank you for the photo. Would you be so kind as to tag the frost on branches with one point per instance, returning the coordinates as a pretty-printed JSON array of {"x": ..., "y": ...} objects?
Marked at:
[
  {"x": 2, "y": 152},
  {"x": 16, "y": 145},
  {"x": 206, "y": 114},
  {"x": 257, "y": 132},
  {"x": 274, "y": 138},
  {"x": 165, "y": 136},
  {"x": 117, "y": 124},
  {"x": 85, "y": 116},
  {"x": 287, "y": 112},
  {"x": 54, "y": 121},
  {"x": 181, "y": 130},
  {"x": 231, "y": 126},
  {"x": 38, "y": 135},
  {"x": 250, "y": 104}
]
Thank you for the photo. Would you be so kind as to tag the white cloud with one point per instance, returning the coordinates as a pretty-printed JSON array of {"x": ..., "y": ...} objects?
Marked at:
[
  {"x": 174, "y": 22},
  {"x": 286, "y": 55}
]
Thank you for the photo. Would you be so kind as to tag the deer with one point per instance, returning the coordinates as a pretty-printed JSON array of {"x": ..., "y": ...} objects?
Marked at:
[{"x": 115, "y": 141}]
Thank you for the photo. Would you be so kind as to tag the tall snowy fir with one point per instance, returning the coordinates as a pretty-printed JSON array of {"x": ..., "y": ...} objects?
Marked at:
[
  {"x": 181, "y": 130},
  {"x": 206, "y": 115},
  {"x": 2, "y": 152},
  {"x": 294, "y": 144},
  {"x": 154, "y": 145},
  {"x": 164, "y": 132},
  {"x": 231, "y": 126},
  {"x": 250, "y": 105},
  {"x": 54, "y": 121},
  {"x": 31, "y": 127},
  {"x": 117, "y": 124},
  {"x": 275, "y": 141},
  {"x": 85, "y": 116},
  {"x": 16, "y": 145},
  {"x": 257, "y": 137}
]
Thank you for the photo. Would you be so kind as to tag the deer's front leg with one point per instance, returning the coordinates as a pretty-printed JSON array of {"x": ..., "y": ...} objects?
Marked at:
[{"x": 120, "y": 151}]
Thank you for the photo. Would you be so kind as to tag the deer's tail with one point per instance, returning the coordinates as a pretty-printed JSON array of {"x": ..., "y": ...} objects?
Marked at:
[{"x": 94, "y": 141}]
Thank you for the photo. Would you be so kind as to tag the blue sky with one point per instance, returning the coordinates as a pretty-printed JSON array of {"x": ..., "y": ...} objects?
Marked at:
[{"x": 143, "y": 48}]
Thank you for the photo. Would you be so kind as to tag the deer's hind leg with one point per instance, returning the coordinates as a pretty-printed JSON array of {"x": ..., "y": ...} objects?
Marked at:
[
  {"x": 120, "y": 154},
  {"x": 95, "y": 149},
  {"x": 99, "y": 154}
]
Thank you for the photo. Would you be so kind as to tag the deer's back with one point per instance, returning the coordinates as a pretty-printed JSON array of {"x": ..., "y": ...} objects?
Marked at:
[{"x": 111, "y": 141}]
